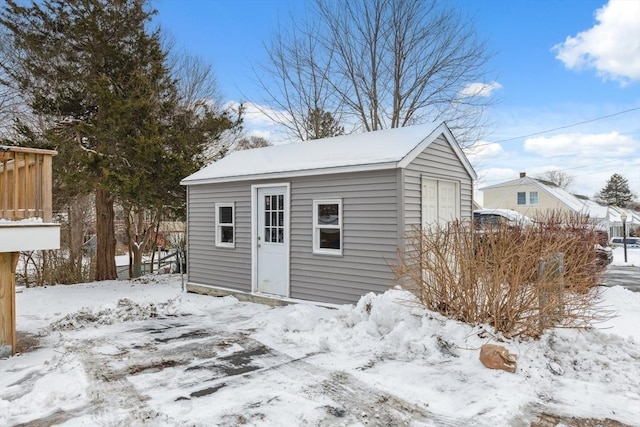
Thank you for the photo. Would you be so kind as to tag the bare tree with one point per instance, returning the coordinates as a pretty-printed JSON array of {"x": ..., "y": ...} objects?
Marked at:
[
  {"x": 12, "y": 106},
  {"x": 296, "y": 79},
  {"x": 252, "y": 142},
  {"x": 557, "y": 177},
  {"x": 385, "y": 64},
  {"x": 196, "y": 82}
]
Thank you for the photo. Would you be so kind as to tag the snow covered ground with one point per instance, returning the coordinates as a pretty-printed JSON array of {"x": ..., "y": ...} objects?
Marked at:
[
  {"x": 143, "y": 353},
  {"x": 633, "y": 257}
]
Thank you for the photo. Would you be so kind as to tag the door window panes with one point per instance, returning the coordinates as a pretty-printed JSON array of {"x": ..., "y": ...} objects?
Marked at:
[{"x": 274, "y": 218}]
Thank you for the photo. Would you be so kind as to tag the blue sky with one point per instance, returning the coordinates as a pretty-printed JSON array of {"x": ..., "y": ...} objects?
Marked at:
[{"x": 556, "y": 63}]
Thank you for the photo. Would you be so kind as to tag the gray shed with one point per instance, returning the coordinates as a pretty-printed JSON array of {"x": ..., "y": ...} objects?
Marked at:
[{"x": 321, "y": 220}]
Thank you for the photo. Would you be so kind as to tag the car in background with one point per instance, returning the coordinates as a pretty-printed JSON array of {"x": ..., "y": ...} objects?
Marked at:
[
  {"x": 632, "y": 242},
  {"x": 488, "y": 218}
]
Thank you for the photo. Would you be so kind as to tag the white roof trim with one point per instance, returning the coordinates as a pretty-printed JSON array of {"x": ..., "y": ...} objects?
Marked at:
[
  {"x": 444, "y": 130},
  {"x": 292, "y": 174}
]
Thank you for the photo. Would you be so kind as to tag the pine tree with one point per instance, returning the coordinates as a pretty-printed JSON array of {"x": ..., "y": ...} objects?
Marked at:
[
  {"x": 94, "y": 70},
  {"x": 321, "y": 124},
  {"x": 616, "y": 192}
]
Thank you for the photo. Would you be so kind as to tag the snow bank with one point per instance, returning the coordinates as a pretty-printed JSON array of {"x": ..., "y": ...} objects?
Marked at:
[
  {"x": 633, "y": 257},
  {"x": 384, "y": 347}
]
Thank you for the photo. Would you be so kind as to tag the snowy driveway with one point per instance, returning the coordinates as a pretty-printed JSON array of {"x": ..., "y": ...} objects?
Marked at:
[
  {"x": 161, "y": 370},
  {"x": 628, "y": 277},
  {"x": 133, "y": 353}
]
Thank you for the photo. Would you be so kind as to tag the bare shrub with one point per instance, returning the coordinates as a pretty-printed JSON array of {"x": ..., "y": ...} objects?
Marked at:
[
  {"x": 518, "y": 280},
  {"x": 42, "y": 268}
]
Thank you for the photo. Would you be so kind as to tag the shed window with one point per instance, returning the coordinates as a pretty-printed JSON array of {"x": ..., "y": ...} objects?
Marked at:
[
  {"x": 327, "y": 227},
  {"x": 225, "y": 225}
]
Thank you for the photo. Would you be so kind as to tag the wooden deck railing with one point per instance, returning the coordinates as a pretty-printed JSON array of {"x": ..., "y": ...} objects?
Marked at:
[{"x": 25, "y": 183}]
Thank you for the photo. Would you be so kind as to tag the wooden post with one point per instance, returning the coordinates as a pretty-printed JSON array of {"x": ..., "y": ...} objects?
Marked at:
[
  {"x": 8, "y": 262},
  {"x": 16, "y": 186},
  {"x": 47, "y": 186},
  {"x": 550, "y": 278}
]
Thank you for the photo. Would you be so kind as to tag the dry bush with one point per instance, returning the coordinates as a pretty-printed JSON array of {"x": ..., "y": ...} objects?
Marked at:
[
  {"x": 42, "y": 268},
  {"x": 518, "y": 280}
]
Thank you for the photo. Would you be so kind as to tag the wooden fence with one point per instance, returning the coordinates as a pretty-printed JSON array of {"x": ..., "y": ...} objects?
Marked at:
[{"x": 25, "y": 183}]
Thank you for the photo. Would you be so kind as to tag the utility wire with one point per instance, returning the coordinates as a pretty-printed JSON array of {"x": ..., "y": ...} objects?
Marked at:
[
  {"x": 558, "y": 128},
  {"x": 609, "y": 168}
]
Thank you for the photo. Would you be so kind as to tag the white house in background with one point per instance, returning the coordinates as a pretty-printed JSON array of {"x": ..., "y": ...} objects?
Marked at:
[
  {"x": 535, "y": 198},
  {"x": 25, "y": 223},
  {"x": 321, "y": 220},
  {"x": 614, "y": 220}
]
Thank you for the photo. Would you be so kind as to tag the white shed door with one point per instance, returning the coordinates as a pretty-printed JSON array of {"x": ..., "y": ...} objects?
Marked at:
[
  {"x": 272, "y": 239},
  {"x": 439, "y": 202},
  {"x": 447, "y": 201},
  {"x": 429, "y": 202}
]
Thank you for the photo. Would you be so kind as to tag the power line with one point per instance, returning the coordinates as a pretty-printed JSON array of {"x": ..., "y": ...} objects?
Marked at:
[
  {"x": 558, "y": 128},
  {"x": 590, "y": 165}
]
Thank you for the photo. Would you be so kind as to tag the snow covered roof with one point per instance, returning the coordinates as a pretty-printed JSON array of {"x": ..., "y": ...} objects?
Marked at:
[
  {"x": 384, "y": 149},
  {"x": 595, "y": 209},
  {"x": 567, "y": 198},
  {"x": 615, "y": 215}
]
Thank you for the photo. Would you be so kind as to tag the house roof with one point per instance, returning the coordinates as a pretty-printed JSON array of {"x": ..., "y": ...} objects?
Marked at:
[
  {"x": 558, "y": 193},
  {"x": 615, "y": 216},
  {"x": 384, "y": 149},
  {"x": 579, "y": 204}
]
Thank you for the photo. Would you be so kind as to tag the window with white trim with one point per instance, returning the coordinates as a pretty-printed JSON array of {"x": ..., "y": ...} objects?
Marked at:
[
  {"x": 530, "y": 198},
  {"x": 225, "y": 225},
  {"x": 327, "y": 227}
]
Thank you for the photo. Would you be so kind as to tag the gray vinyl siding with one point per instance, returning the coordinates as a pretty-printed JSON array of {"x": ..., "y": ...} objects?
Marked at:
[
  {"x": 437, "y": 161},
  {"x": 378, "y": 208},
  {"x": 370, "y": 236},
  {"x": 209, "y": 265}
]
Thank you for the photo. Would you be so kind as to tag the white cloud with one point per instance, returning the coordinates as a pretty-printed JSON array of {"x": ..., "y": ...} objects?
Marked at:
[
  {"x": 495, "y": 175},
  {"x": 258, "y": 121},
  {"x": 595, "y": 146},
  {"x": 611, "y": 47},
  {"x": 266, "y": 134},
  {"x": 480, "y": 89},
  {"x": 483, "y": 151}
]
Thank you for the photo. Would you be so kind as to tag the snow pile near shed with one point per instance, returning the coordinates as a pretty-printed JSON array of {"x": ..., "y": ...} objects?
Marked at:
[
  {"x": 125, "y": 310},
  {"x": 389, "y": 341},
  {"x": 147, "y": 353}
]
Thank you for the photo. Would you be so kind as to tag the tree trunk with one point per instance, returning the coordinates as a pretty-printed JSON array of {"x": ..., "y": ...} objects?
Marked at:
[
  {"x": 138, "y": 244},
  {"x": 105, "y": 235},
  {"x": 76, "y": 237},
  {"x": 136, "y": 250},
  {"x": 154, "y": 245}
]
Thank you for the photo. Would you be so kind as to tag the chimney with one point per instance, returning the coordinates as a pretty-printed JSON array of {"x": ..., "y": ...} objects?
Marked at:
[{"x": 523, "y": 174}]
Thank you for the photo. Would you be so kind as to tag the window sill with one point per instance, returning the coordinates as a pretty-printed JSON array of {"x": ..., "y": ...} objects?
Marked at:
[
  {"x": 336, "y": 253},
  {"x": 225, "y": 246}
]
